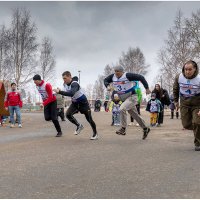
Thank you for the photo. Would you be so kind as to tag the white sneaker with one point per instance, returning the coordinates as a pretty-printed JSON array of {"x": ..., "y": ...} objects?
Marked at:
[
  {"x": 94, "y": 137},
  {"x": 79, "y": 129},
  {"x": 12, "y": 126},
  {"x": 137, "y": 124},
  {"x": 20, "y": 126},
  {"x": 131, "y": 124}
]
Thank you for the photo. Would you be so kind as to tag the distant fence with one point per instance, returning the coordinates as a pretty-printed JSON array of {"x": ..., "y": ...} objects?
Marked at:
[{"x": 29, "y": 107}]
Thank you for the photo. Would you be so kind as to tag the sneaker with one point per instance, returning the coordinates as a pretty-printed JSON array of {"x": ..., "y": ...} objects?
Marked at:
[
  {"x": 94, "y": 137},
  {"x": 20, "y": 126},
  {"x": 78, "y": 129},
  {"x": 137, "y": 124},
  {"x": 121, "y": 131},
  {"x": 145, "y": 132},
  {"x": 59, "y": 134},
  {"x": 158, "y": 125},
  {"x": 12, "y": 126},
  {"x": 131, "y": 124}
]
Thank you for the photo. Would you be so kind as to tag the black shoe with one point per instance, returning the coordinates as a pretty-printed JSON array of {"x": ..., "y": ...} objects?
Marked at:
[
  {"x": 197, "y": 148},
  {"x": 59, "y": 134},
  {"x": 63, "y": 120},
  {"x": 145, "y": 132},
  {"x": 121, "y": 131}
]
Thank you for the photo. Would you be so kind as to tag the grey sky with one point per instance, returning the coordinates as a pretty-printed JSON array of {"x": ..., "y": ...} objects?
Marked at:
[{"x": 88, "y": 35}]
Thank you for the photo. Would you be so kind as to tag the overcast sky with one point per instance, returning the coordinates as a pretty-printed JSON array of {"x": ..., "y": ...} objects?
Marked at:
[{"x": 89, "y": 35}]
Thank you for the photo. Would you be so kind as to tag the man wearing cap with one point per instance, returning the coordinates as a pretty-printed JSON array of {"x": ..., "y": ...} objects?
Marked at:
[
  {"x": 124, "y": 86},
  {"x": 49, "y": 102}
]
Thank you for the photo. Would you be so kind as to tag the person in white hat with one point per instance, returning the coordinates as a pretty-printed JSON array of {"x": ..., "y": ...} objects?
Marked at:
[{"x": 124, "y": 86}]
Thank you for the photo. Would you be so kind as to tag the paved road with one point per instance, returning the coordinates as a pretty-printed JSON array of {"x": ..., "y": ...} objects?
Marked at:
[{"x": 35, "y": 164}]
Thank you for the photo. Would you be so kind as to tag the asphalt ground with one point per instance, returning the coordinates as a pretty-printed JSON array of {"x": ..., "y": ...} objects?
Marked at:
[{"x": 36, "y": 164}]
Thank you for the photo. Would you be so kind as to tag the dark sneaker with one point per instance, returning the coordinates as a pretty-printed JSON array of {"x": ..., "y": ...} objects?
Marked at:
[
  {"x": 197, "y": 148},
  {"x": 121, "y": 131},
  {"x": 59, "y": 134},
  {"x": 94, "y": 137},
  {"x": 145, "y": 132},
  {"x": 78, "y": 129}
]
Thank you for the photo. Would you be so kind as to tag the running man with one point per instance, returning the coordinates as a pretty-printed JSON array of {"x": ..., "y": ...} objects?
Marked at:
[
  {"x": 49, "y": 102},
  {"x": 124, "y": 86},
  {"x": 79, "y": 103},
  {"x": 186, "y": 88}
]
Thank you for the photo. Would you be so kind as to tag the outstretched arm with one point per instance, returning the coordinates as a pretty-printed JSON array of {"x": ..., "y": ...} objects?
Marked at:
[{"x": 74, "y": 88}]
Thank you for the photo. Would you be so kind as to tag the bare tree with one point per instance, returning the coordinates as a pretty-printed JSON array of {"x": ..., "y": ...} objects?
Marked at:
[
  {"x": 89, "y": 91},
  {"x": 177, "y": 50},
  {"x": 4, "y": 66},
  {"x": 193, "y": 27},
  {"x": 47, "y": 60},
  {"x": 134, "y": 61},
  {"x": 23, "y": 46},
  {"x": 108, "y": 70},
  {"x": 99, "y": 89}
]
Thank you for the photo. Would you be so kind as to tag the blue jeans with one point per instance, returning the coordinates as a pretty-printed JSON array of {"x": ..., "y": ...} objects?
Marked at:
[{"x": 15, "y": 109}]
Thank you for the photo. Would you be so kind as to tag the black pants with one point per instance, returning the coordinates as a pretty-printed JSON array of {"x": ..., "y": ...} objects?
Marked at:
[
  {"x": 83, "y": 108},
  {"x": 60, "y": 113},
  {"x": 50, "y": 113},
  {"x": 138, "y": 110}
]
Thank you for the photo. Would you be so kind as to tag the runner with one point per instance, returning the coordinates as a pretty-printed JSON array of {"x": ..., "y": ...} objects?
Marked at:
[
  {"x": 79, "y": 103},
  {"x": 187, "y": 88},
  {"x": 49, "y": 102},
  {"x": 124, "y": 86}
]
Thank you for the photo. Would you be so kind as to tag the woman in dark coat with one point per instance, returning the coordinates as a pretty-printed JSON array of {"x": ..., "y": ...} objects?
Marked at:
[{"x": 163, "y": 96}]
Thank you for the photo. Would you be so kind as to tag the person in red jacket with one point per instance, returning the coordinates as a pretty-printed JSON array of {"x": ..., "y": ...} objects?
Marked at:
[
  {"x": 49, "y": 102},
  {"x": 13, "y": 103}
]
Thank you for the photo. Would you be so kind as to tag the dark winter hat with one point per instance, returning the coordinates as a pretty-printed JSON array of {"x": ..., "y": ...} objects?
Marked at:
[
  {"x": 119, "y": 68},
  {"x": 37, "y": 77},
  {"x": 13, "y": 84},
  {"x": 153, "y": 94}
]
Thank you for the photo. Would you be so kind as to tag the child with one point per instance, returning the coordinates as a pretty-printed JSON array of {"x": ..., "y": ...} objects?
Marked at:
[
  {"x": 154, "y": 106},
  {"x": 115, "y": 109}
]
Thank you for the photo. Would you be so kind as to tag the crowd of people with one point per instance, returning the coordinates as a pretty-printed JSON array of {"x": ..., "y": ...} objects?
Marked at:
[{"x": 126, "y": 98}]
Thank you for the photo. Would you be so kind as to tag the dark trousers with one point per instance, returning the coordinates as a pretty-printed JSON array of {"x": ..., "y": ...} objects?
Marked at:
[
  {"x": 83, "y": 108},
  {"x": 172, "y": 114},
  {"x": 60, "y": 113},
  {"x": 50, "y": 113},
  {"x": 161, "y": 115},
  {"x": 190, "y": 120}
]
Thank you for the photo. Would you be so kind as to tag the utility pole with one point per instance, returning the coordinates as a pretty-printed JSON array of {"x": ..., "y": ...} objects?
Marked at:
[{"x": 79, "y": 77}]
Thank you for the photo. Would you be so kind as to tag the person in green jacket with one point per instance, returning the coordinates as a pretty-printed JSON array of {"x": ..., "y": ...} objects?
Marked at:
[{"x": 139, "y": 96}]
